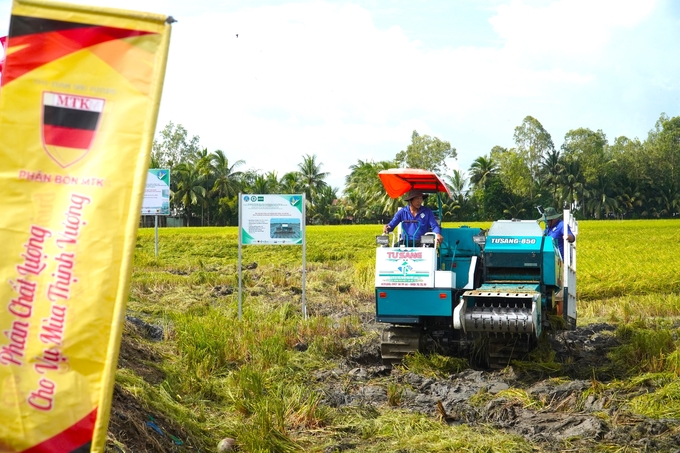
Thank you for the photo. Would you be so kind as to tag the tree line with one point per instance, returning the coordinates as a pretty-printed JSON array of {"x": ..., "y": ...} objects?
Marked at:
[{"x": 596, "y": 179}]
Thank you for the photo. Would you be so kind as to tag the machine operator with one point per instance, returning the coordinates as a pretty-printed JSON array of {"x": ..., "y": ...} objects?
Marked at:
[
  {"x": 416, "y": 218},
  {"x": 554, "y": 227}
]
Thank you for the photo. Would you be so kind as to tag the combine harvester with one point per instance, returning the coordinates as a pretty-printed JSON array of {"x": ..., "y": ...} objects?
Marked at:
[{"x": 486, "y": 295}]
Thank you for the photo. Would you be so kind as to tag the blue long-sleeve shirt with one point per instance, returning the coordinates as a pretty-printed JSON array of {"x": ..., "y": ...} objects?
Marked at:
[
  {"x": 425, "y": 221},
  {"x": 556, "y": 233}
]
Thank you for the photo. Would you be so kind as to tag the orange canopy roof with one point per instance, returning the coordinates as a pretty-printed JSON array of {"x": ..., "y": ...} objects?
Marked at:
[{"x": 398, "y": 181}]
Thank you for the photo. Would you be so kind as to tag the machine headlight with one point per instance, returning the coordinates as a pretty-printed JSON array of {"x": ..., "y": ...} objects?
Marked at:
[
  {"x": 480, "y": 240},
  {"x": 427, "y": 240},
  {"x": 382, "y": 240}
]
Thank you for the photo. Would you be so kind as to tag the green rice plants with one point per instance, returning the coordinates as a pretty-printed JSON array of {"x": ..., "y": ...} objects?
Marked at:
[
  {"x": 209, "y": 345},
  {"x": 262, "y": 433},
  {"x": 521, "y": 396},
  {"x": 644, "y": 349},
  {"x": 481, "y": 398},
  {"x": 662, "y": 403},
  {"x": 647, "y": 381},
  {"x": 614, "y": 261},
  {"x": 191, "y": 419},
  {"x": 280, "y": 277},
  {"x": 399, "y": 425},
  {"x": 672, "y": 362},
  {"x": 399, "y": 431},
  {"x": 129, "y": 380},
  {"x": 272, "y": 351},
  {"x": 364, "y": 276},
  {"x": 330, "y": 347},
  {"x": 541, "y": 360},
  {"x": 247, "y": 387},
  {"x": 394, "y": 394},
  {"x": 596, "y": 387},
  {"x": 434, "y": 365},
  {"x": 202, "y": 277},
  {"x": 305, "y": 410},
  {"x": 630, "y": 308},
  {"x": 272, "y": 409}
]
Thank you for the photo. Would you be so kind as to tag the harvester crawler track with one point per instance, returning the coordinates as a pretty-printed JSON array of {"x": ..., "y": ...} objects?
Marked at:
[{"x": 398, "y": 342}]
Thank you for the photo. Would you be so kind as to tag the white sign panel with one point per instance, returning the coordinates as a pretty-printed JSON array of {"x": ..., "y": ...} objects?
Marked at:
[
  {"x": 409, "y": 267},
  {"x": 157, "y": 193},
  {"x": 271, "y": 219}
]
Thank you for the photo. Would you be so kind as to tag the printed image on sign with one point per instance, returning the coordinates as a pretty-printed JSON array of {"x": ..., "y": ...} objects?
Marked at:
[
  {"x": 157, "y": 193},
  {"x": 405, "y": 267},
  {"x": 271, "y": 219}
]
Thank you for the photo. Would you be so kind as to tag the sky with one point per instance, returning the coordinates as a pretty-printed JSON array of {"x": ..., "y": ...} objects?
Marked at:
[{"x": 268, "y": 82}]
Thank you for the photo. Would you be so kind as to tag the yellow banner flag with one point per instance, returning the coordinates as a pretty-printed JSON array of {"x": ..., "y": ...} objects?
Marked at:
[{"x": 78, "y": 106}]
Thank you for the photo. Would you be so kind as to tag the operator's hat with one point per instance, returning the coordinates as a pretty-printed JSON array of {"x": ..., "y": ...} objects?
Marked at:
[
  {"x": 412, "y": 194},
  {"x": 551, "y": 214}
]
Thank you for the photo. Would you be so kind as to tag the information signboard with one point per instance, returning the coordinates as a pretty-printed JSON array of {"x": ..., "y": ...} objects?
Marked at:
[
  {"x": 271, "y": 219},
  {"x": 157, "y": 193}
]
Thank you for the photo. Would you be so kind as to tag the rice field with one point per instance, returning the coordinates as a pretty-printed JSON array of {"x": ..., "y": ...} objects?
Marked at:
[{"x": 224, "y": 376}]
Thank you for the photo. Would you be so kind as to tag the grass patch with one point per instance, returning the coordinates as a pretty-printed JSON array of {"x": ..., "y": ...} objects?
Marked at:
[
  {"x": 645, "y": 348},
  {"x": 378, "y": 432},
  {"x": 434, "y": 365},
  {"x": 664, "y": 402}
]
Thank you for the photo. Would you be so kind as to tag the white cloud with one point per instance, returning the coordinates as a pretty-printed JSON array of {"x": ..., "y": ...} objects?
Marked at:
[
  {"x": 575, "y": 28},
  {"x": 300, "y": 79}
]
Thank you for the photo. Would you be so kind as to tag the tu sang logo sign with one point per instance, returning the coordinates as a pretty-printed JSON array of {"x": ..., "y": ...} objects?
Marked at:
[{"x": 69, "y": 124}]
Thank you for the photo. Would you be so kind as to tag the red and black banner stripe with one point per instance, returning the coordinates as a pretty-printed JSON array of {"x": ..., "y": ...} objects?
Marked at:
[
  {"x": 69, "y": 127},
  {"x": 26, "y": 25},
  {"x": 42, "y": 41},
  {"x": 76, "y": 439}
]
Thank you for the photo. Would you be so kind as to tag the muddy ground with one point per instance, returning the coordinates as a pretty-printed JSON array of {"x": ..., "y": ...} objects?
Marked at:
[{"x": 570, "y": 416}]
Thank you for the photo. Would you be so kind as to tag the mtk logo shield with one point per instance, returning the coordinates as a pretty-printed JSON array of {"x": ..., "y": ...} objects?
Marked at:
[{"x": 69, "y": 124}]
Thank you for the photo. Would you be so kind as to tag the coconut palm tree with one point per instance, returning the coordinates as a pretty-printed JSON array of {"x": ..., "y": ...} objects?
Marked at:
[
  {"x": 363, "y": 178},
  {"x": 262, "y": 185},
  {"x": 602, "y": 201},
  {"x": 290, "y": 182},
  {"x": 552, "y": 167},
  {"x": 227, "y": 179},
  {"x": 311, "y": 177},
  {"x": 572, "y": 185},
  {"x": 668, "y": 201},
  {"x": 189, "y": 189},
  {"x": 457, "y": 182},
  {"x": 513, "y": 206},
  {"x": 356, "y": 205},
  {"x": 482, "y": 170},
  {"x": 324, "y": 210},
  {"x": 203, "y": 161}
]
